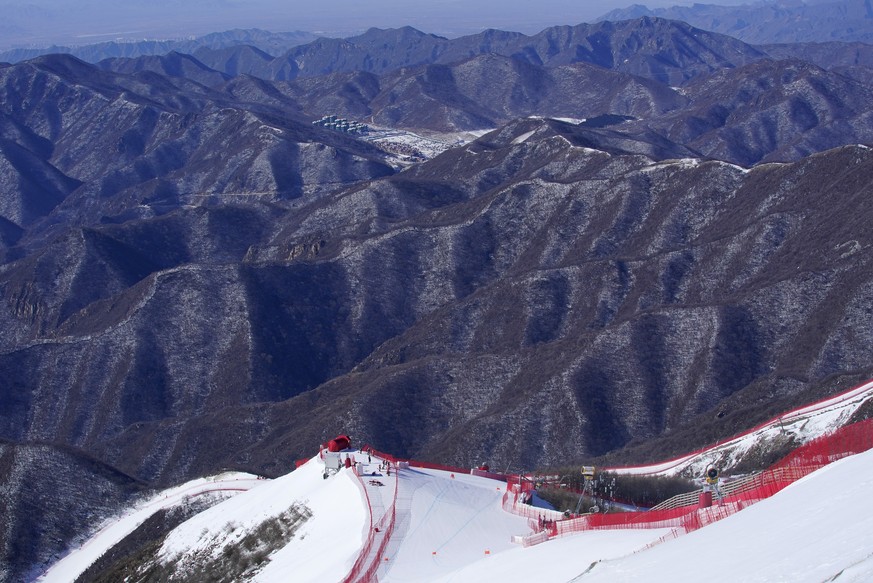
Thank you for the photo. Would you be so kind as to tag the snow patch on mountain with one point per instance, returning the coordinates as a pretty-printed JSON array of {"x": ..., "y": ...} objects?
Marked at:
[{"x": 799, "y": 426}]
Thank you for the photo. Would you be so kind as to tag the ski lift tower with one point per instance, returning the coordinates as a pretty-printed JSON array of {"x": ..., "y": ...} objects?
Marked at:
[{"x": 588, "y": 473}]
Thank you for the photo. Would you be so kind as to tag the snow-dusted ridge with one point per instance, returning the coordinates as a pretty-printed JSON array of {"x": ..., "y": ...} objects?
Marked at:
[
  {"x": 115, "y": 529},
  {"x": 802, "y": 425},
  {"x": 326, "y": 544},
  {"x": 409, "y": 147}
]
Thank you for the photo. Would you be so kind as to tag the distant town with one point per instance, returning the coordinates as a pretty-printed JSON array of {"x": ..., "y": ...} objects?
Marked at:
[{"x": 343, "y": 125}]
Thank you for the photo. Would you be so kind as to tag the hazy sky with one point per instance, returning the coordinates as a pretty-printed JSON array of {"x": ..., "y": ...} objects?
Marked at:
[{"x": 43, "y": 22}]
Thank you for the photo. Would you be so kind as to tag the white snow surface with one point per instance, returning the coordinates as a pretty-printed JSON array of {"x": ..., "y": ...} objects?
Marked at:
[
  {"x": 559, "y": 559},
  {"x": 573, "y": 120},
  {"x": 523, "y": 137},
  {"x": 430, "y": 145},
  {"x": 803, "y": 424},
  {"x": 326, "y": 545},
  {"x": 452, "y": 528},
  {"x": 116, "y": 528},
  {"x": 818, "y": 529},
  {"x": 445, "y": 522}
]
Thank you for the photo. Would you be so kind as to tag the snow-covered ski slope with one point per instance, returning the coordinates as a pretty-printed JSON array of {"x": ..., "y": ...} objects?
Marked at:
[
  {"x": 324, "y": 548},
  {"x": 115, "y": 529},
  {"x": 818, "y": 529},
  {"x": 452, "y": 526},
  {"x": 446, "y": 522}
]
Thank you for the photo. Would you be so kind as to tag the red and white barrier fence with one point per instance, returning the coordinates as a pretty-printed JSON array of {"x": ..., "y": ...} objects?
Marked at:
[
  {"x": 368, "y": 561},
  {"x": 846, "y": 441}
]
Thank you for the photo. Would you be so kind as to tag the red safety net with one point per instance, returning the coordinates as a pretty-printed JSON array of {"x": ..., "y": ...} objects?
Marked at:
[
  {"x": 381, "y": 454},
  {"x": 373, "y": 551},
  {"x": 489, "y": 474},
  {"x": 854, "y": 393},
  {"x": 415, "y": 463},
  {"x": 365, "y": 567},
  {"x": 846, "y": 441},
  {"x": 515, "y": 500}
]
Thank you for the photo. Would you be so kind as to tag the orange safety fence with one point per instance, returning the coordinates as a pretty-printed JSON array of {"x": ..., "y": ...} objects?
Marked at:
[{"x": 489, "y": 474}]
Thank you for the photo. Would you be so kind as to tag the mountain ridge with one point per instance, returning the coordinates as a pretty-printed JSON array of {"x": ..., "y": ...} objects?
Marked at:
[
  {"x": 269, "y": 42},
  {"x": 770, "y": 22},
  {"x": 195, "y": 276},
  {"x": 627, "y": 46}
]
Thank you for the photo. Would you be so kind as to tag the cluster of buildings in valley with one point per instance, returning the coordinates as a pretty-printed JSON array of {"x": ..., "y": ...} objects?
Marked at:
[{"x": 343, "y": 125}]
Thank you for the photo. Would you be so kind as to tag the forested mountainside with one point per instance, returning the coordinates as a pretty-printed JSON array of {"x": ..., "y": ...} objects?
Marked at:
[
  {"x": 765, "y": 23},
  {"x": 770, "y": 21},
  {"x": 667, "y": 51},
  {"x": 274, "y": 43},
  {"x": 194, "y": 276}
]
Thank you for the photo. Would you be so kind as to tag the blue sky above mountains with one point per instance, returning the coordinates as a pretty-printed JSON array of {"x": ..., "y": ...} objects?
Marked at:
[{"x": 43, "y": 22}]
